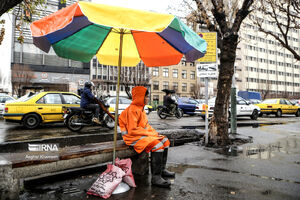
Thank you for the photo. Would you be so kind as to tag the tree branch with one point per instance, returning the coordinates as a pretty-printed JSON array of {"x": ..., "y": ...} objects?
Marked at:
[{"x": 241, "y": 15}]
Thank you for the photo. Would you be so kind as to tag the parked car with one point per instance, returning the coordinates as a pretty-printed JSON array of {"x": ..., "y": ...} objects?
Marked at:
[
  {"x": 278, "y": 107},
  {"x": 200, "y": 101},
  {"x": 43, "y": 107},
  {"x": 188, "y": 105},
  {"x": 296, "y": 102},
  {"x": 243, "y": 108},
  {"x": 3, "y": 99},
  {"x": 254, "y": 101},
  {"x": 123, "y": 104}
]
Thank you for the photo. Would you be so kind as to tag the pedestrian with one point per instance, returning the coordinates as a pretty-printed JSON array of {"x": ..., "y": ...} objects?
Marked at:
[{"x": 137, "y": 132}]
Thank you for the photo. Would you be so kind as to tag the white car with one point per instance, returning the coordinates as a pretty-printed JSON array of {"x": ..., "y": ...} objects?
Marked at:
[
  {"x": 123, "y": 104},
  {"x": 4, "y": 98},
  {"x": 243, "y": 108}
]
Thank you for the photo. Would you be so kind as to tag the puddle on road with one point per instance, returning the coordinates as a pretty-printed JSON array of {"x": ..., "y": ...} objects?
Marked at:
[
  {"x": 287, "y": 146},
  {"x": 181, "y": 168}
]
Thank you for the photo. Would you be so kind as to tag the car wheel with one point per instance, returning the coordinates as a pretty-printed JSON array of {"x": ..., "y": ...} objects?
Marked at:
[
  {"x": 278, "y": 113},
  {"x": 108, "y": 121},
  {"x": 31, "y": 121},
  {"x": 298, "y": 113},
  {"x": 254, "y": 115}
]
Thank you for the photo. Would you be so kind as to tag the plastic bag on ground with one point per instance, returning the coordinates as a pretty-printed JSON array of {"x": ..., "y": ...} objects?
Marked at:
[
  {"x": 125, "y": 165},
  {"x": 107, "y": 182}
]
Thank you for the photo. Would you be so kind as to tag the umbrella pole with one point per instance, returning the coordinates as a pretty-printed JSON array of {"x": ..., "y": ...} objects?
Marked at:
[{"x": 118, "y": 91}]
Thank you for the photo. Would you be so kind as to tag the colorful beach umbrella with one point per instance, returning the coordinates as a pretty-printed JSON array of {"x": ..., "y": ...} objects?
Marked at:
[{"x": 117, "y": 36}]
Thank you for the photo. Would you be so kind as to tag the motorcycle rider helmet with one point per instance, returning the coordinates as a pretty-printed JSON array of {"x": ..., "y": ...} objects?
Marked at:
[{"x": 88, "y": 84}]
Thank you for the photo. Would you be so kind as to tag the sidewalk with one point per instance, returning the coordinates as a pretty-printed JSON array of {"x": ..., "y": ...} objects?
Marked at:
[{"x": 268, "y": 168}]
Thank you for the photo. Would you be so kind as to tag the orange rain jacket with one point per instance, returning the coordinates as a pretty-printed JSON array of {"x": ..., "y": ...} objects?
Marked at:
[{"x": 134, "y": 125}]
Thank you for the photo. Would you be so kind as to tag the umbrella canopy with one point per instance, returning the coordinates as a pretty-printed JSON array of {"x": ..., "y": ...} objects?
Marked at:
[
  {"x": 85, "y": 29},
  {"x": 117, "y": 36}
]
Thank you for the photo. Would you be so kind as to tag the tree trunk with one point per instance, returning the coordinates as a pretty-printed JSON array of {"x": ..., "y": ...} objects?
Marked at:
[{"x": 218, "y": 128}]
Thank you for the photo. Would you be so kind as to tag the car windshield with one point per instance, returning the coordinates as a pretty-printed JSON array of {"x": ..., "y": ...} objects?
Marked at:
[
  {"x": 192, "y": 101},
  {"x": 212, "y": 100},
  {"x": 26, "y": 97},
  {"x": 3, "y": 99},
  {"x": 270, "y": 101}
]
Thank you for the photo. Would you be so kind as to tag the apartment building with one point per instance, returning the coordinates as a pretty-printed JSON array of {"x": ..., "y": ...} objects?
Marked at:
[
  {"x": 105, "y": 78},
  {"x": 181, "y": 78},
  {"x": 267, "y": 67},
  {"x": 46, "y": 69}
]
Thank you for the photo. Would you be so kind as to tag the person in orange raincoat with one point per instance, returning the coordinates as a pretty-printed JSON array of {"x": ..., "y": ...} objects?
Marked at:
[{"x": 137, "y": 132}]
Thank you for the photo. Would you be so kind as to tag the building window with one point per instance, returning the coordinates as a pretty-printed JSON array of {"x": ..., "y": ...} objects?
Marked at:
[
  {"x": 165, "y": 72},
  {"x": 166, "y": 85},
  {"x": 155, "y": 85},
  {"x": 175, "y": 86},
  {"x": 175, "y": 73},
  {"x": 155, "y": 71},
  {"x": 193, "y": 75},
  {"x": 184, "y": 86},
  {"x": 183, "y": 74},
  {"x": 94, "y": 62},
  {"x": 156, "y": 98}
]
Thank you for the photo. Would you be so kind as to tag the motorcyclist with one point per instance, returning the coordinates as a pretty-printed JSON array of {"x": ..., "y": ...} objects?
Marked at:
[
  {"x": 87, "y": 101},
  {"x": 169, "y": 102}
]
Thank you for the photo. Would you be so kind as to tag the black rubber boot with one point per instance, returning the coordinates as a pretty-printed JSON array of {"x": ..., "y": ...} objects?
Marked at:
[
  {"x": 165, "y": 172},
  {"x": 156, "y": 169}
]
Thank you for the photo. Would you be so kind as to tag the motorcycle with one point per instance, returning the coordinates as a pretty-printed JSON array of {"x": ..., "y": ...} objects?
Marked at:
[
  {"x": 163, "y": 112},
  {"x": 76, "y": 118}
]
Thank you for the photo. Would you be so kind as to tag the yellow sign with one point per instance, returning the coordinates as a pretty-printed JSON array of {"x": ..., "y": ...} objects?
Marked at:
[{"x": 211, "y": 52}]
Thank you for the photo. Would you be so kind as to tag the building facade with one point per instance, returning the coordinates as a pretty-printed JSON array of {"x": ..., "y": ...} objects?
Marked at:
[
  {"x": 181, "y": 78},
  {"x": 45, "y": 69},
  {"x": 267, "y": 67},
  {"x": 262, "y": 64},
  {"x": 105, "y": 78}
]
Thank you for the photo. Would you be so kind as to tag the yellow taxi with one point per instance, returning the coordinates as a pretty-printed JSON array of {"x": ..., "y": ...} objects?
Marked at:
[
  {"x": 43, "y": 107},
  {"x": 278, "y": 107}
]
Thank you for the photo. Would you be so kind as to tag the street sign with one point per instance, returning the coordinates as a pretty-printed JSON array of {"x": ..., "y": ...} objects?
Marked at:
[
  {"x": 211, "y": 51},
  {"x": 207, "y": 70}
]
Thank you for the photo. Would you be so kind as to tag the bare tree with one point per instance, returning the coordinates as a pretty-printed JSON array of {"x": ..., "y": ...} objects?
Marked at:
[
  {"x": 265, "y": 92},
  {"x": 224, "y": 17},
  {"x": 134, "y": 76},
  {"x": 196, "y": 91},
  {"x": 23, "y": 10},
  {"x": 21, "y": 75},
  {"x": 284, "y": 15}
]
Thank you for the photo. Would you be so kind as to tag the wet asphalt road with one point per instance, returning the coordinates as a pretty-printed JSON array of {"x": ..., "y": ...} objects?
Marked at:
[
  {"x": 10, "y": 132},
  {"x": 268, "y": 168}
]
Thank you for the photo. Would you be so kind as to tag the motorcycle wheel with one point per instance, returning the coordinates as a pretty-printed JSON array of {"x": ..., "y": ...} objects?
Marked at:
[
  {"x": 161, "y": 114},
  {"x": 179, "y": 113},
  {"x": 71, "y": 119},
  {"x": 108, "y": 121}
]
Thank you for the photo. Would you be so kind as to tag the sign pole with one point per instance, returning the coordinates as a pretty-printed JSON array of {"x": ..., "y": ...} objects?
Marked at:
[{"x": 206, "y": 111}]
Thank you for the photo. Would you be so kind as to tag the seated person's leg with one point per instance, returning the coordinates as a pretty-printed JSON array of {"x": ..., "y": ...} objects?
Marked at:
[{"x": 96, "y": 109}]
